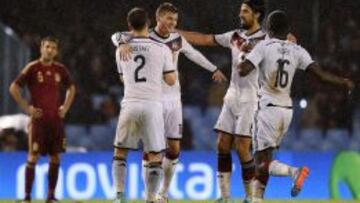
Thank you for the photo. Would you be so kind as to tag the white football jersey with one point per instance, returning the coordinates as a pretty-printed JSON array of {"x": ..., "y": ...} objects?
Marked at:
[
  {"x": 243, "y": 89},
  {"x": 143, "y": 73},
  {"x": 277, "y": 61},
  {"x": 177, "y": 45}
]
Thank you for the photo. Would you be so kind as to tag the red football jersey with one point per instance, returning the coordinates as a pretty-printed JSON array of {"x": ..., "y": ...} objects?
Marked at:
[{"x": 45, "y": 83}]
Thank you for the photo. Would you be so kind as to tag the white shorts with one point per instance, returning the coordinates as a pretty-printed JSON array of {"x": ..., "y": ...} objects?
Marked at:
[
  {"x": 141, "y": 121},
  {"x": 173, "y": 119},
  {"x": 237, "y": 119},
  {"x": 271, "y": 124}
]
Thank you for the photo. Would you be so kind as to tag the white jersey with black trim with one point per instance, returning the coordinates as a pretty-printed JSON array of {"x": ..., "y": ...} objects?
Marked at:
[
  {"x": 143, "y": 73},
  {"x": 177, "y": 45},
  {"x": 277, "y": 61},
  {"x": 241, "y": 89}
]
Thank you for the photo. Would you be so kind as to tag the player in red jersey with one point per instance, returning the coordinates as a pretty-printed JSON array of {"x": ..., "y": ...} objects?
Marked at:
[{"x": 45, "y": 79}]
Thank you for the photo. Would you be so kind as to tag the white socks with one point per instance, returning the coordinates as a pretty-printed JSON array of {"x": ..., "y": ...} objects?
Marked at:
[
  {"x": 277, "y": 168},
  {"x": 224, "y": 183},
  {"x": 153, "y": 176},
  {"x": 119, "y": 174},
  {"x": 169, "y": 167}
]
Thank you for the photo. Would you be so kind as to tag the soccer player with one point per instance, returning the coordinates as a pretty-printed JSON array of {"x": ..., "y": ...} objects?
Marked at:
[
  {"x": 141, "y": 116},
  {"x": 167, "y": 17},
  {"x": 240, "y": 103},
  {"x": 277, "y": 60},
  {"x": 45, "y": 79}
]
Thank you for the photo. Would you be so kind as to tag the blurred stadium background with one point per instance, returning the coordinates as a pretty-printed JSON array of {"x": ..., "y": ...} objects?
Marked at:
[{"x": 325, "y": 132}]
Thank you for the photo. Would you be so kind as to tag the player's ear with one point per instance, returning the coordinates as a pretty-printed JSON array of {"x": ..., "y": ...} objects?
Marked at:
[{"x": 257, "y": 15}]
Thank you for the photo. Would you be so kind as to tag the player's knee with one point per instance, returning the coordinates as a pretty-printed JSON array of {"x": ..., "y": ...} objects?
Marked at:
[
  {"x": 154, "y": 157},
  {"x": 172, "y": 154},
  {"x": 223, "y": 146},
  {"x": 120, "y": 153}
]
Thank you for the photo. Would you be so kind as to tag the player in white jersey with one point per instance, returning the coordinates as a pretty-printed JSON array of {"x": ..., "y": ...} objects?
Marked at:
[
  {"x": 240, "y": 102},
  {"x": 167, "y": 16},
  {"x": 277, "y": 60},
  {"x": 141, "y": 116}
]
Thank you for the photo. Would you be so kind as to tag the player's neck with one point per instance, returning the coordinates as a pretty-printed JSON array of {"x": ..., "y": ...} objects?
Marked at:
[
  {"x": 161, "y": 33},
  {"x": 141, "y": 34},
  {"x": 46, "y": 62},
  {"x": 253, "y": 29}
]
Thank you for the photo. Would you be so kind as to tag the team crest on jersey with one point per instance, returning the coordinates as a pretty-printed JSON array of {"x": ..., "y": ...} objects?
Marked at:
[
  {"x": 57, "y": 77},
  {"x": 40, "y": 77}
]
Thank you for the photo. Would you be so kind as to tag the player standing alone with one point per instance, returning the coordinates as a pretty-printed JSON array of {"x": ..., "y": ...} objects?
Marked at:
[
  {"x": 277, "y": 60},
  {"x": 45, "y": 78},
  {"x": 141, "y": 116}
]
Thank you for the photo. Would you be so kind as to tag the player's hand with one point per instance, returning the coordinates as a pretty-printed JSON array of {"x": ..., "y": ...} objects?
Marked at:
[
  {"x": 349, "y": 85},
  {"x": 34, "y": 112},
  {"x": 219, "y": 77},
  {"x": 62, "y": 111},
  {"x": 290, "y": 37},
  {"x": 125, "y": 52},
  {"x": 246, "y": 47}
]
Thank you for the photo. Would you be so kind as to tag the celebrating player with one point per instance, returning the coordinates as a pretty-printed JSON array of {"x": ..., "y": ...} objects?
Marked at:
[
  {"x": 277, "y": 60},
  {"x": 45, "y": 78},
  {"x": 141, "y": 116},
  {"x": 240, "y": 102},
  {"x": 167, "y": 17}
]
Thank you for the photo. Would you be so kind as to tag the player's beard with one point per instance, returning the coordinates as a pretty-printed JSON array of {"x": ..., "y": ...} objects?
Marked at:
[{"x": 244, "y": 25}]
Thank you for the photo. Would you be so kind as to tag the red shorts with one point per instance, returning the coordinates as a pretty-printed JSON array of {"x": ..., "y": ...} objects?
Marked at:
[{"x": 47, "y": 136}]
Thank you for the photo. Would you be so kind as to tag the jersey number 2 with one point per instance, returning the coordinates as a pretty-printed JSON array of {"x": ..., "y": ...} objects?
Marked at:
[
  {"x": 282, "y": 76},
  {"x": 140, "y": 58}
]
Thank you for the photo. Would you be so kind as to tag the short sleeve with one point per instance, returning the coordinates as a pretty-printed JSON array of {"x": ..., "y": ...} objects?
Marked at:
[
  {"x": 66, "y": 78},
  {"x": 24, "y": 77},
  {"x": 169, "y": 65},
  {"x": 256, "y": 55},
  {"x": 224, "y": 39},
  {"x": 304, "y": 59}
]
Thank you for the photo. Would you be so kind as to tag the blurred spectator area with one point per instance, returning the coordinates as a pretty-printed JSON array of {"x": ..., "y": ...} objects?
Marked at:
[{"x": 329, "y": 29}]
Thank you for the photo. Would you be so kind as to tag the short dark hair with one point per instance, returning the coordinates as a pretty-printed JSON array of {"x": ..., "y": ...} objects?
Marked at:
[
  {"x": 278, "y": 23},
  {"x": 138, "y": 18},
  {"x": 50, "y": 39},
  {"x": 257, "y": 6},
  {"x": 166, "y": 7}
]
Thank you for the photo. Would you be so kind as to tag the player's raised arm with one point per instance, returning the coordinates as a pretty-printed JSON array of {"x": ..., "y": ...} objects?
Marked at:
[
  {"x": 325, "y": 76},
  {"x": 198, "y": 38},
  {"x": 198, "y": 58},
  {"x": 118, "y": 63}
]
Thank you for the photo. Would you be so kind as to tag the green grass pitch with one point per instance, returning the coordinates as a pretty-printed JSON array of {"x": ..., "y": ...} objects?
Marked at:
[{"x": 190, "y": 201}]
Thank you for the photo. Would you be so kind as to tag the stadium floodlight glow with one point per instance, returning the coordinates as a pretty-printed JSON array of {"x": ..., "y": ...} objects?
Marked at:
[
  {"x": 9, "y": 31},
  {"x": 303, "y": 103}
]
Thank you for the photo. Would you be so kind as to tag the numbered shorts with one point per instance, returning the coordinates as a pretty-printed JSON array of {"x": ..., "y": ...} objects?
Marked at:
[
  {"x": 141, "y": 121},
  {"x": 46, "y": 136},
  {"x": 237, "y": 119},
  {"x": 173, "y": 119},
  {"x": 271, "y": 124}
]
